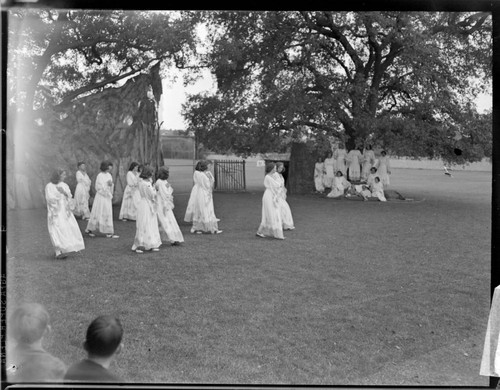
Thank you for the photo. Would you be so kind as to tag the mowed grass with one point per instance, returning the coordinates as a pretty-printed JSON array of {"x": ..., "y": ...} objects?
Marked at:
[{"x": 361, "y": 293}]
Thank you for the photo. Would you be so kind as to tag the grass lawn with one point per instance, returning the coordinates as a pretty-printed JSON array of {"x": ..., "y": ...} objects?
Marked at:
[{"x": 360, "y": 293}]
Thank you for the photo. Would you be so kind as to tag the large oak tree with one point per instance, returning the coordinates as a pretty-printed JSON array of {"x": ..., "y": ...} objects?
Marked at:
[{"x": 405, "y": 81}]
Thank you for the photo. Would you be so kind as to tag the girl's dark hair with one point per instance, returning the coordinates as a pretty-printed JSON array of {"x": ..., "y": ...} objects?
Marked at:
[
  {"x": 146, "y": 172},
  {"x": 104, "y": 335},
  {"x": 201, "y": 166},
  {"x": 341, "y": 174},
  {"x": 377, "y": 178},
  {"x": 133, "y": 164},
  {"x": 105, "y": 165},
  {"x": 383, "y": 152},
  {"x": 269, "y": 167},
  {"x": 56, "y": 175},
  {"x": 163, "y": 173},
  {"x": 375, "y": 169},
  {"x": 79, "y": 163}
]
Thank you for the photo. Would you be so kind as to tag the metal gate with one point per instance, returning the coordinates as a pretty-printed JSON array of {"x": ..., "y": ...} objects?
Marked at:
[{"x": 229, "y": 175}]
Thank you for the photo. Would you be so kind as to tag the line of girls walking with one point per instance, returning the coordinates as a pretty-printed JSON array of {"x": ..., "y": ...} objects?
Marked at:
[{"x": 149, "y": 205}]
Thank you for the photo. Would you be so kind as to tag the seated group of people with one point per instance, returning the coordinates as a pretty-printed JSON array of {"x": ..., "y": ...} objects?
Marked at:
[
  {"x": 373, "y": 188},
  {"x": 28, "y": 361}
]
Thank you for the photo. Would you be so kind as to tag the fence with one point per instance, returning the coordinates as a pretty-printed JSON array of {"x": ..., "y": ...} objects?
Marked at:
[{"x": 229, "y": 175}]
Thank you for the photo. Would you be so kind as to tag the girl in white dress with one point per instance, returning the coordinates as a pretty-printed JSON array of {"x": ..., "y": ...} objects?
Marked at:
[
  {"x": 319, "y": 172},
  {"x": 371, "y": 177},
  {"x": 64, "y": 231},
  {"x": 384, "y": 168},
  {"x": 101, "y": 216},
  {"x": 340, "y": 184},
  {"x": 200, "y": 208},
  {"x": 286, "y": 212},
  {"x": 164, "y": 207},
  {"x": 128, "y": 210},
  {"x": 368, "y": 161},
  {"x": 353, "y": 159},
  {"x": 271, "y": 224},
  {"x": 377, "y": 190},
  {"x": 82, "y": 192},
  {"x": 340, "y": 158},
  {"x": 147, "y": 233},
  {"x": 330, "y": 164}
]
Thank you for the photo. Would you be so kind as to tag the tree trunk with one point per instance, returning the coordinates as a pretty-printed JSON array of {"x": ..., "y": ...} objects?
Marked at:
[{"x": 301, "y": 169}]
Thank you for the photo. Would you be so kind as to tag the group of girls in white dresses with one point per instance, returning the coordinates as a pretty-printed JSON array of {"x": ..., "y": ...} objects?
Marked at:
[
  {"x": 357, "y": 163},
  {"x": 152, "y": 208},
  {"x": 276, "y": 212}
]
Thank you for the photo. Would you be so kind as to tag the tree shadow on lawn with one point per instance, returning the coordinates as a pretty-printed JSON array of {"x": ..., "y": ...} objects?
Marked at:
[{"x": 356, "y": 295}]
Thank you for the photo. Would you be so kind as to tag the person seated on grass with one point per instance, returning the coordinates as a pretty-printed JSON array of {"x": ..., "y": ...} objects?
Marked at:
[
  {"x": 340, "y": 186},
  {"x": 103, "y": 342},
  {"x": 359, "y": 190},
  {"x": 28, "y": 361},
  {"x": 377, "y": 189}
]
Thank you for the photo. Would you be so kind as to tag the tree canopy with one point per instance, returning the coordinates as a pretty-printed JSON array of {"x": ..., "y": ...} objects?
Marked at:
[{"x": 405, "y": 81}]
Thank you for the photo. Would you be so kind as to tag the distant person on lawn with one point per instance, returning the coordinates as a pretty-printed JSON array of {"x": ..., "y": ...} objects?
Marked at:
[
  {"x": 28, "y": 361},
  {"x": 101, "y": 216},
  {"x": 200, "y": 207},
  {"x": 271, "y": 223},
  {"x": 103, "y": 342},
  {"x": 64, "y": 231},
  {"x": 319, "y": 173}
]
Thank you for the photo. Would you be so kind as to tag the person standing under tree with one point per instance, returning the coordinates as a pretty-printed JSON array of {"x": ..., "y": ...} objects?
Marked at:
[
  {"x": 82, "y": 192},
  {"x": 384, "y": 169},
  {"x": 329, "y": 164},
  {"x": 128, "y": 210},
  {"x": 319, "y": 172},
  {"x": 340, "y": 157},
  {"x": 101, "y": 216},
  {"x": 147, "y": 234},
  {"x": 64, "y": 231},
  {"x": 271, "y": 224},
  {"x": 368, "y": 161},
  {"x": 353, "y": 159}
]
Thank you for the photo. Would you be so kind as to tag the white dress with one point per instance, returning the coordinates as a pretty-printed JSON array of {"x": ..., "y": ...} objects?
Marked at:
[
  {"x": 383, "y": 168},
  {"x": 82, "y": 195},
  {"x": 340, "y": 157},
  {"x": 353, "y": 158},
  {"x": 368, "y": 161},
  {"x": 330, "y": 165},
  {"x": 286, "y": 212},
  {"x": 271, "y": 224},
  {"x": 200, "y": 208},
  {"x": 164, "y": 207},
  {"x": 147, "y": 233},
  {"x": 339, "y": 186},
  {"x": 101, "y": 216},
  {"x": 319, "y": 172},
  {"x": 131, "y": 197},
  {"x": 64, "y": 231},
  {"x": 377, "y": 190}
]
